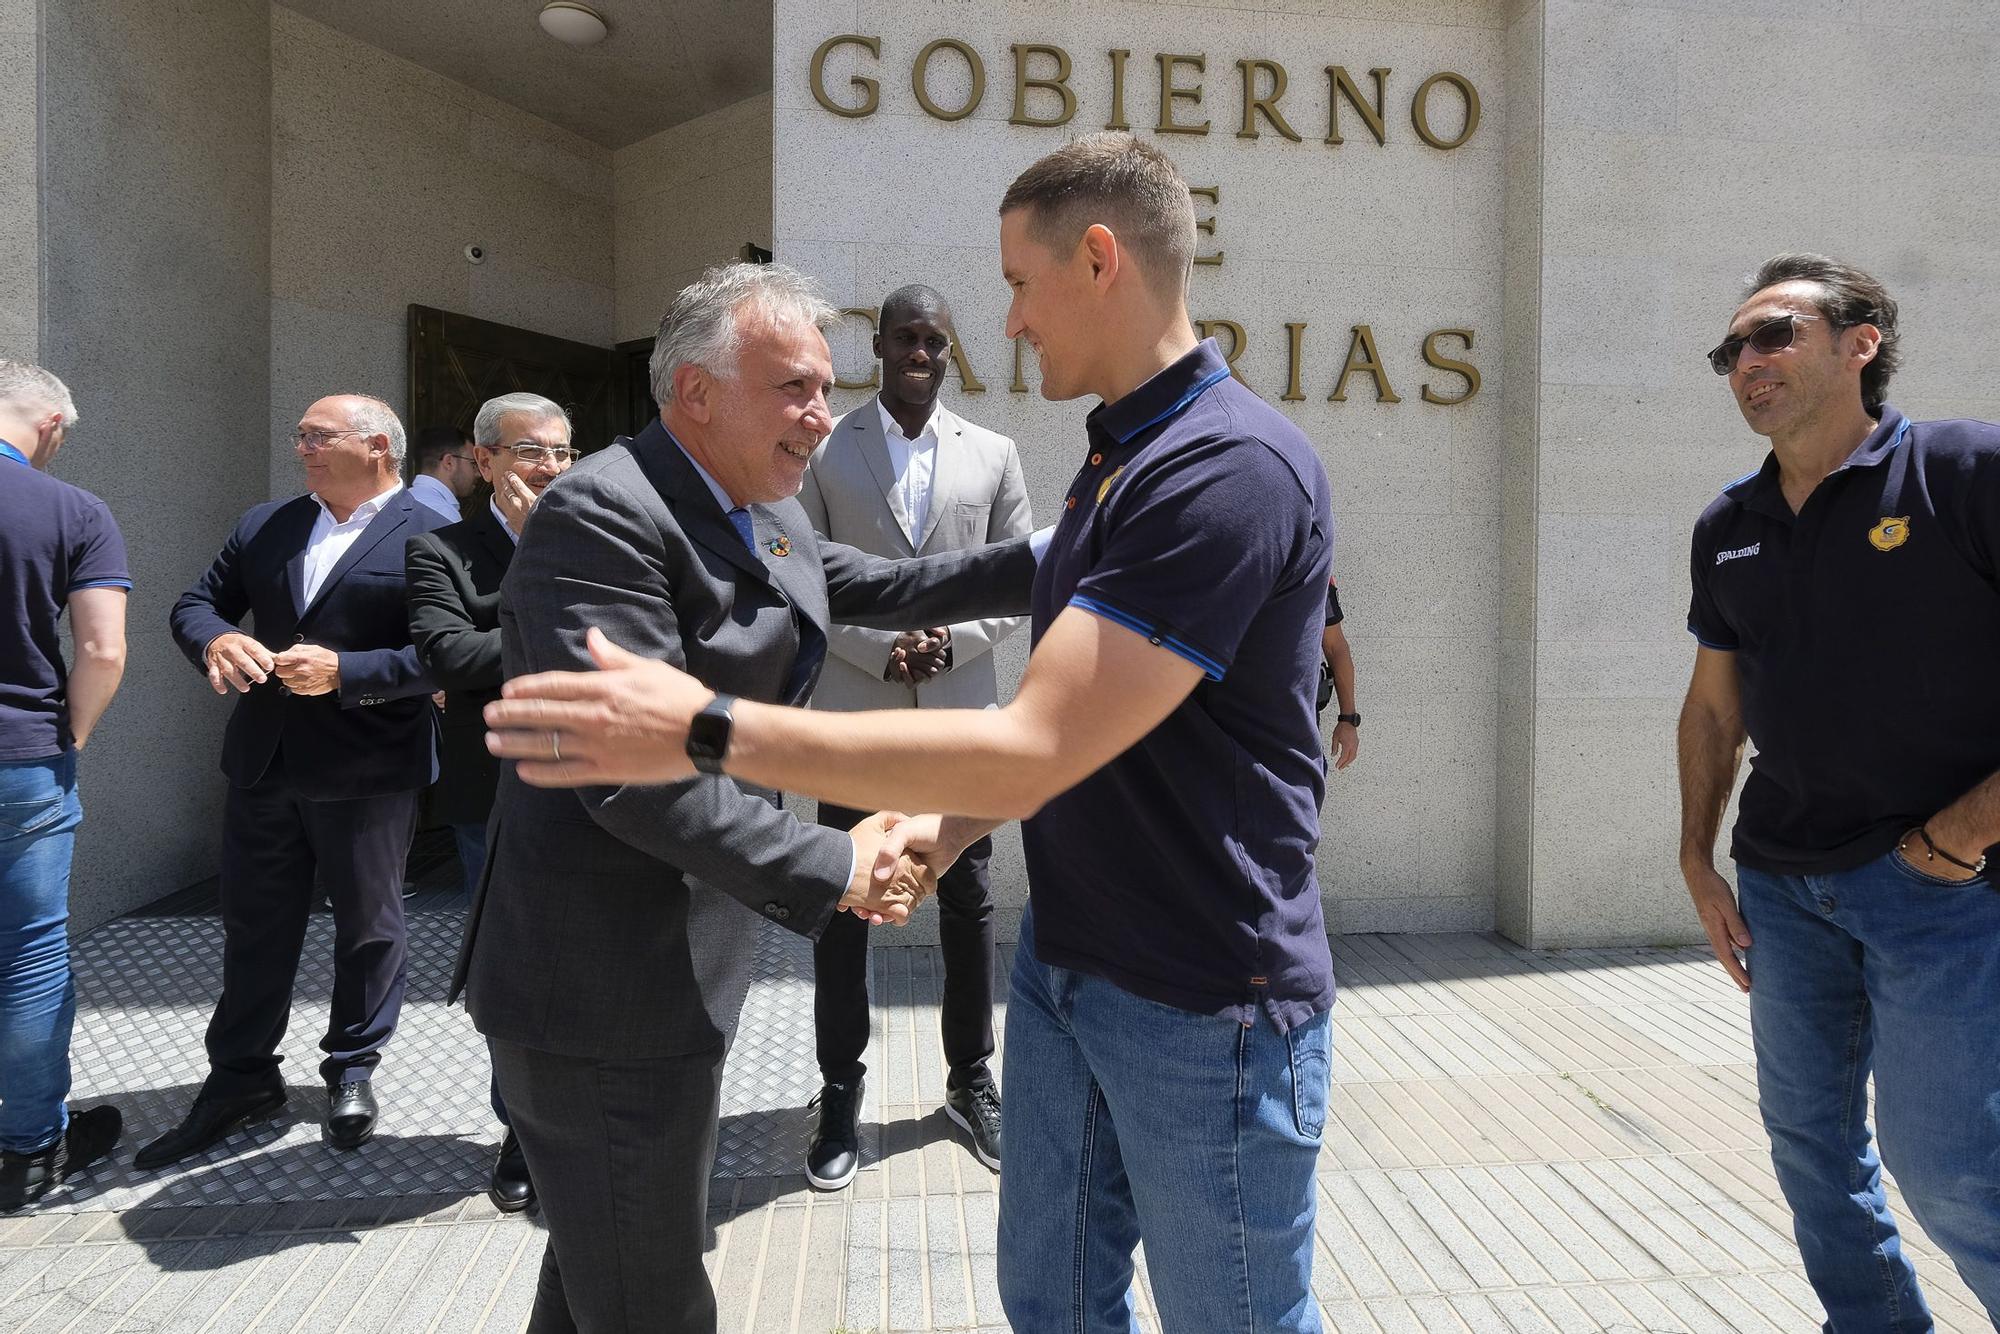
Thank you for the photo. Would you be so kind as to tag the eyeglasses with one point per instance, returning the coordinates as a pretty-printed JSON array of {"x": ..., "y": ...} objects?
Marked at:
[
  {"x": 537, "y": 453},
  {"x": 469, "y": 458},
  {"x": 1773, "y": 335},
  {"x": 314, "y": 441}
]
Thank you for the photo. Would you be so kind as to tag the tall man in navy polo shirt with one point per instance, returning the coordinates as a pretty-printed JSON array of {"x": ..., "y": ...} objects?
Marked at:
[
  {"x": 1167, "y": 1044},
  {"x": 58, "y": 548},
  {"x": 1847, "y": 604}
]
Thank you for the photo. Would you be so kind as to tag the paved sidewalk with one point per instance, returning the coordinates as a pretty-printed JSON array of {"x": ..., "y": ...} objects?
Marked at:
[{"x": 1519, "y": 1142}]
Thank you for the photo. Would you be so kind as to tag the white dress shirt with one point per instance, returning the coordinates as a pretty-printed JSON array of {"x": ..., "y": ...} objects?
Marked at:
[
  {"x": 505, "y": 527},
  {"x": 915, "y": 466},
  {"x": 330, "y": 539},
  {"x": 436, "y": 495}
]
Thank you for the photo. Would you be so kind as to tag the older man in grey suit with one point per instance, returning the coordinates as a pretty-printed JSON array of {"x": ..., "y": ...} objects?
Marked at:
[
  {"x": 607, "y": 951},
  {"x": 904, "y": 476}
]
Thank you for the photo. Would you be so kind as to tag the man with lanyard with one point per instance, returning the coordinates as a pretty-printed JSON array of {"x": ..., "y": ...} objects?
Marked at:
[
  {"x": 1167, "y": 1047},
  {"x": 1847, "y": 605}
]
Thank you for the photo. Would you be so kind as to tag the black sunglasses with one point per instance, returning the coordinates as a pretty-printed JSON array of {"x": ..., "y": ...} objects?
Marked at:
[{"x": 1773, "y": 335}]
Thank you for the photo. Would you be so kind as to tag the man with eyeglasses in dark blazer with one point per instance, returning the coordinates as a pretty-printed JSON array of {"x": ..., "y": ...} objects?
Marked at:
[
  {"x": 328, "y": 748},
  {"x": 521, "y": 443}
]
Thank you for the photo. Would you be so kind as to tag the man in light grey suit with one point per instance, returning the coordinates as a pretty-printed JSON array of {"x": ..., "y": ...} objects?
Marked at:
[
  {"x": 608, "y": 947},
  {"x": 903, "y": 476}
]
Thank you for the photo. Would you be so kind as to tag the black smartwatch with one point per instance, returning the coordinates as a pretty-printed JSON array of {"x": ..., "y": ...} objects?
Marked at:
[
  {"x": 1352, "y": 719},
  {"x": 708, "y": 734}
]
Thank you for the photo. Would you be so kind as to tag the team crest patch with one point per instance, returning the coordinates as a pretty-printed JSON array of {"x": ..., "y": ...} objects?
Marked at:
[
  {"x": 1890, "y": 533},
  {"x": 779, "y": 545},
  {"x": 1104, "y": 487}
]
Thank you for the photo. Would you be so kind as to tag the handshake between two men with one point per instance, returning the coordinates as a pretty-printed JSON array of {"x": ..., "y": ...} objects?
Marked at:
[{"x": 628, "y": 723}]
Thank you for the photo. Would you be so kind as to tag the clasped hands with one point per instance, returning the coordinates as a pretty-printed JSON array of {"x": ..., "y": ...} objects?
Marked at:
[
  {"x": 916, "y": 656},
  {"x": 898, "y": 859},
  {"x": 237, "y": 661}
]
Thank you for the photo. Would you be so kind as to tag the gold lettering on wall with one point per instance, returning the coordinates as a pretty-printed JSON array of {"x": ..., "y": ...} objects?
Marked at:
[
  {"x": 1253, "y": 105},
  {"x": 1420, "y": 115},
  {"x": 966, "y": 379},
  {"x": 871, "y": 92},
  {"x": 1206, "y": 226},
  {"x": 1363, "y": 358},
  {"x": 920, "y": 79},
  {"x": 1237, "y": 341},
  {"x": 1171, "y": 92},
  {"x": 1118, "y": 121},
  {"x": 874, "y": 380},
  {"x": 1296, "y": 336},
  {"x": 1340, "y": 85},
  {"x": 1438, "y": 359},
  {"x": 1059, "y": 84},
  {"x": 1020, "y": 385}
]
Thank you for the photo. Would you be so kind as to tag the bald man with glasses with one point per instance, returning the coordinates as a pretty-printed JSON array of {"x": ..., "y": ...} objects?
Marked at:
[{"x": 327, "y": 748}]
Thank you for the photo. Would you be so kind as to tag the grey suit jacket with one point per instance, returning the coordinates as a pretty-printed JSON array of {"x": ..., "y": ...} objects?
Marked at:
[
  {"x": 610, "y": 922},
  {"x": 977, "y": 496}
]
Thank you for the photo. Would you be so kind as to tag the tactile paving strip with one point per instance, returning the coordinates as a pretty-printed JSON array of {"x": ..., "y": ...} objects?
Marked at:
[{"x": 146, "y": 985}]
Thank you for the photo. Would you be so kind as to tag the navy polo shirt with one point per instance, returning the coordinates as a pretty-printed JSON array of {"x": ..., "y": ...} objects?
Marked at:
[
  {"x": 1866, "y": 633},
  {"x": 54, "y": 539},
  {"x": 1183, "y": 870}
]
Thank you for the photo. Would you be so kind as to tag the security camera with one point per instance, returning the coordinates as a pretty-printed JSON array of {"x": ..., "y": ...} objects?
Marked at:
[{"x": 475, "y": 254}]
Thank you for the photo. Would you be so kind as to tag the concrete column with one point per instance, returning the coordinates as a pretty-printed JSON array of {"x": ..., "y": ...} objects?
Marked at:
[{"x": 155, "y": 133}]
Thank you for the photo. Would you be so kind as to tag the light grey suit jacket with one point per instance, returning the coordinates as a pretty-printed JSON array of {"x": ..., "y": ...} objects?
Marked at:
[
  {"x": 610, "y": 921},
  {"x": 978, "y": 496}
]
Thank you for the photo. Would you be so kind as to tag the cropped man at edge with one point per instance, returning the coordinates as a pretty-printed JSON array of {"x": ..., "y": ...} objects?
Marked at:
[
  {"x": 59, "y": 550},
  {"x": 1847, "y": 608},
  {"x": 1167, "y": 1045}
]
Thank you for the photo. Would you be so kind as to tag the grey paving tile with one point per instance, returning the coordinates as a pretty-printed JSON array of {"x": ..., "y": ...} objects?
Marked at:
[{"x": 1517, "y": 1141}]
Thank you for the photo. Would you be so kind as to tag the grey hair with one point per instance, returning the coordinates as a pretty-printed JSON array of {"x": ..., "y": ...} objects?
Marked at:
[
  {"x": 371, "y": 416},
  {"x": 27, "y": 385},
  {"x": 703, "y": 324},
  {"x": 486, "y": 426}
]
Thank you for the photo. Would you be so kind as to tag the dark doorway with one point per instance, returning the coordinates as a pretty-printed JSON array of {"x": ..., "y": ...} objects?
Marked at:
[{"x": 458, "y": 362}]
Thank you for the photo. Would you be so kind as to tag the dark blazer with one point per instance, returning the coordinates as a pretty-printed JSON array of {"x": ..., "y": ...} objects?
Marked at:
[
  {"x": 611, "y": 921},
  {"x": 454, "y": 574},
  {"x": 374, "y": 735}
]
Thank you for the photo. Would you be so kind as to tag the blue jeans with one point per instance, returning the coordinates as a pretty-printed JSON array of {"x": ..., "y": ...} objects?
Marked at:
[
  {"x": 39, "y": 813},
  {"x": 1881, "y": 968},
  {"x": 1130, "y": 1120}
]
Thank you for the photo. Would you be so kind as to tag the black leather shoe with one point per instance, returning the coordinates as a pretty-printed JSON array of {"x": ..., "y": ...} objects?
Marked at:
[
  {"x": 512, "y": 1190},
  {"x": 208, "y": 1121},
  {"x": 976, "y": 1111},
  {"x": 26, "y": 1177},
  {"x": 835, "y": 1153},
  {"x": 350, "y": 1114}
]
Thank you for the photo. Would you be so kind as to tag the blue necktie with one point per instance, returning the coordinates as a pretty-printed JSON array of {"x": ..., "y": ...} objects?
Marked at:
[{"x": 739, "y": 519}]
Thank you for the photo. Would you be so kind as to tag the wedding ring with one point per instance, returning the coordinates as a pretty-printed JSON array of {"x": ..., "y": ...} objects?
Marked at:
[{"x": 555, "y": 746}]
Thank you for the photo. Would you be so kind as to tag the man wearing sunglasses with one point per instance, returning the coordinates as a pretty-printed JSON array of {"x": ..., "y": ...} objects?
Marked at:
[{"x": 1847, "y": 605}]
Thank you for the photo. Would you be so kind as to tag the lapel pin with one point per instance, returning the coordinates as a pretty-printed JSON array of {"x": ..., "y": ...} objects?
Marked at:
[{"x": 779, "y": 545}]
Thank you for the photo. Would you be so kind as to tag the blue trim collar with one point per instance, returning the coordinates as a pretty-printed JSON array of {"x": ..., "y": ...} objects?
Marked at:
[
  {"x": 1166, "y": 395},
  {"x": 7, "y": 451}
]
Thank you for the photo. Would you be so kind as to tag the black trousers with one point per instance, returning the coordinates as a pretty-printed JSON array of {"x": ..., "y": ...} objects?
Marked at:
[
  {"x": 965, "y": 930},
  {"x": 277, "y": 847},
  {"x": 620, "y": 1151}
]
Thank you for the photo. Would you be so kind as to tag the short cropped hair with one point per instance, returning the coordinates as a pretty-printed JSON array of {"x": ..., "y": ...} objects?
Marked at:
[
  {"x": 703, "y": 325},
  {"x": 1125, "y": 183},
  {"x": 434, "y": 442},
  {"x": 1847, "y": 297},
  {"x": 486, "y": 426},
  {"x": 371, "y": 416},
  {"x": 26, "y": 385},
  {"x": 913, "y": 296}
]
